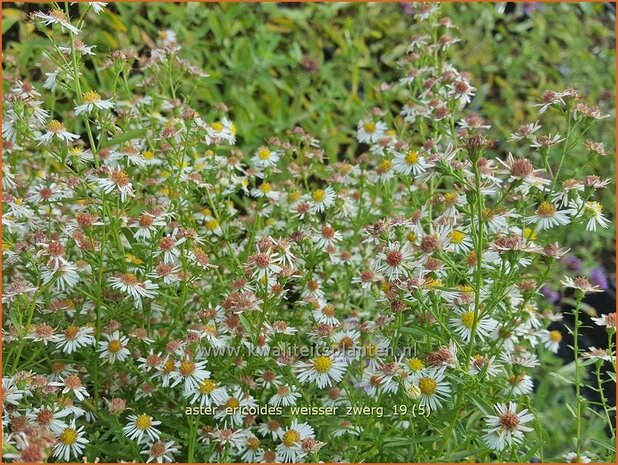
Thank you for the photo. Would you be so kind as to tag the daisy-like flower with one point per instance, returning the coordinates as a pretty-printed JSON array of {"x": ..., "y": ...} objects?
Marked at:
[
  {"x": 525, "y": 131},
  {"x": 169, "y": 248},
  {"x": 409, "y": 162},
  {"x": 208, "y": 393},
  {"x": 71, "y": 443},
  {"x": 116, "y": 179},
  {"x": 394, "y": 260},
  {"x": 133, "y": 286},
  {"x": 508, "y": 427},
  {"x": 11, "y": 394},
  {"x": 73, "y": 384},
  {"x": 160, "y": 451},
  {"x": 482, "y": 364},
  {"x": 594, "y": 212},
  {"x": 599, "y": 354},
  {"x": 250, "y": 449},
  {"x": 581, "y": 284},
  {"x": 191, "y": 373},
  {"x": 290, "y": 450},
  {"x": 520, "y": 385},
  {"x": 50, "y": 418},
  {"x": 551, "y": 339},
  {"x": 286, "y": 395},
  {"x": 79, "y": 47},
  {"x": 56, "y": 16},
  {"x": 608, "y": 320},
  {"x": 521, "y": 169},
  {"x": 321, "y": 199},
  {"x": 574, "y": 457},
  {"x": 224, "y": 130},
  {"x": 97, "y": 7},
  {"x": 166, "y": 37},
  {"x": 347, "y": 343},
  {"x": 115, "y": 348},
  {"x": 324, "y": 313},
  {"x": 370, "y": 132},
  {"x": 265, "y": 190},
  {"x": 65, "y": 276},
  {"x": 459, "y": 241},
  {"x": 73, "y": 338},
  {"x": 92, "y": 100},
  {"x": 56, "y": 130},
  {"x": 232, "y": 407},
  {"x": 433, "y": 389},
  {"x": 265, "y": 158},
  {"x": 141, "y": 427},
  {"x": 147, "y": 224},
  {"x": 324, "y": 370},
  {"x": 547, "y": 216},
  {"x": 464, "y": 321},
  {"x": 414, "y": 368},
  {"x": 270, "y": 428},
  {"x": 326, "y": 237},
  {"x": 263, "y": 266}
]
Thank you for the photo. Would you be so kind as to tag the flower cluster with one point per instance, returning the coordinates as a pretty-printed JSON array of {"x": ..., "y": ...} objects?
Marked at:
[{"x": 152, "y": 267}]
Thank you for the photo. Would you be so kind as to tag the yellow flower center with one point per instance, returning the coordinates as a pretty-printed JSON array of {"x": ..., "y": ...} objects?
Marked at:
[
  {"x": 318, "y": 195},
  {"x": 370, "y": 127},
  {"x": 291, "y": 437},
  {"x": 143, "y": 421},
  {"x": 427, "y": 386},
  {"x": 207, "y": 386},
  {"x": 68, "y": 436},
  {"x": 210, "y": 329},
  {"x": 253, "y": 443},
  {"x": 232, "y": 403},
  {"x": 457, "y": 237},
  {"x": 263, "y": 154},
  {"x": 467, "y": 318},
  {"x": 371, "y": 350},
  {"x": 555, "y": 336},
  {"x": 594, "y": 207},
  {"x": 55, "y": 126},
  {"x": 415, "y": 364},
  {"x": 187, "y": 368},
  {"x": 148, "y": 155},
  {"x": 322, "y": 364},
  {"x": 114, "y": 346},
  {"x": 266, "y": 187},
  {"x": 385, "y": 165},
  {"x": 71, "y": 332},
  {"x": 529, "y": 234},
  {"x": 212, "y": 224},
  {"x": 168, "y": 366},
  {"x": 546, "y": 209},
  {"x": 412, "y": 158},
  {"x": 217, "y": 126},
  {"x": 91, "y": 97}
]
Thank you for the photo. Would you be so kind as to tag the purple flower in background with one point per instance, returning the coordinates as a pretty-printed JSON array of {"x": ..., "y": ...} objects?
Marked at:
[
  {"x": 550, "y": 294},
  {"x": 598, "y": 277},
  {"x": 573, "y": 263},
  {"x": 530, "y": 7},
  {"x": 408, "y": 8}
]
